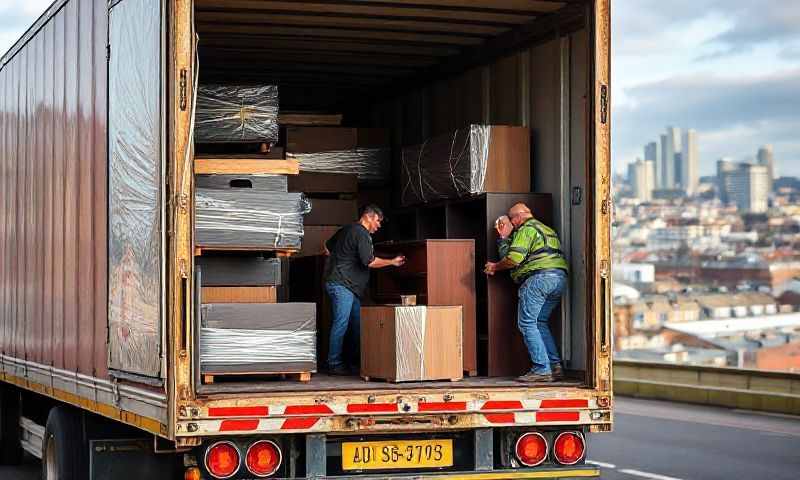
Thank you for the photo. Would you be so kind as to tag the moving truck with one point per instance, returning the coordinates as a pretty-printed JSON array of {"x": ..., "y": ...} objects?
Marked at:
[{"x": 97, "y": 93}]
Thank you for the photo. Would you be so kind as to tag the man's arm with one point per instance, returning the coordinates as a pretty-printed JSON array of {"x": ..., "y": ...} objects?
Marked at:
[
  {"x": 513, "y": 251},
  {"x": 387, "y": 262}
]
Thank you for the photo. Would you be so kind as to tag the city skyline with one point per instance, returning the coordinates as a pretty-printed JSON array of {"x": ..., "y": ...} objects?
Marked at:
[{"x": 730, "y": 69}]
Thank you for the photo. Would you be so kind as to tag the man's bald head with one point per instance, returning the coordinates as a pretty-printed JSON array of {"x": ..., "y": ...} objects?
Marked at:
[{"x": 519, "y": 213}]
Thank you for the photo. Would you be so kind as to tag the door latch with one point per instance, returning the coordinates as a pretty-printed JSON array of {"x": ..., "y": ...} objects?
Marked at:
[
  {"x": 603, "y": 103},
  {"x": 577, "y": 195}
]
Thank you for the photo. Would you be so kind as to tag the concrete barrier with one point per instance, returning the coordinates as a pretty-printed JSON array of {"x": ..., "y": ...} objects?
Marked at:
[{"x": 775, "y": 392}]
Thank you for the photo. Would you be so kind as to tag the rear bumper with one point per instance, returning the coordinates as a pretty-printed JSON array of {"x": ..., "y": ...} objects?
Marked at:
[{"x": 559, "y": 473}]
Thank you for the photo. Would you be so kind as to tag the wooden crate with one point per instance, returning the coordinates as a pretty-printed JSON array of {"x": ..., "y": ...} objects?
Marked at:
[{"x": 405, "y": 344}]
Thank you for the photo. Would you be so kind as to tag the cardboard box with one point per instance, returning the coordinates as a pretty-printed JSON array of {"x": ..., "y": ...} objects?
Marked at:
[
  {"x": 239, "y": 295},
  {"x": 411, "y": 343}
]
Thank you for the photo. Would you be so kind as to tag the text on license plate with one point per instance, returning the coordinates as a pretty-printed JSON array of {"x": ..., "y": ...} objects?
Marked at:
[{"x": 397, "y": 454}]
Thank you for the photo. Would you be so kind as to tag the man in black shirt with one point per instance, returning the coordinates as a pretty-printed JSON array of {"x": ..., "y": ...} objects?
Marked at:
[{"x": 346, "y": 279}]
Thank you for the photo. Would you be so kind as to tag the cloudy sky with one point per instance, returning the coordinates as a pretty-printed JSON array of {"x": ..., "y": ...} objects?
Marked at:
[{"x": 730, "y": 69}]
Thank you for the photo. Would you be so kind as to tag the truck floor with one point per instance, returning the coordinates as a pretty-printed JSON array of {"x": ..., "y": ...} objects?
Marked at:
[{"x": 323, "y": 382}]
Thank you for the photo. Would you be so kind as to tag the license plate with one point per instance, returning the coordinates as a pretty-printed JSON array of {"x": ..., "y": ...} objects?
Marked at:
[{"x": 397, "y": 454}]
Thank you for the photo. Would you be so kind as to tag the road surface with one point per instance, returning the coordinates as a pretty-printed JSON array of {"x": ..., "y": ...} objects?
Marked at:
[
  {"x": 666, "y": 441},
  {"x": 670, "y": 441}
]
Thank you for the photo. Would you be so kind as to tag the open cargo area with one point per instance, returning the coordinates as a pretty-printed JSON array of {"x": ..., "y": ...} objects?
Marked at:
[{"x": 444, "y": 114}]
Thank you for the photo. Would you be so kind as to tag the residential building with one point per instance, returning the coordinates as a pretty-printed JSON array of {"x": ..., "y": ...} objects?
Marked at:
[
  {"x": 635, "y": 272},
  {"x": 744, "y": 184}
]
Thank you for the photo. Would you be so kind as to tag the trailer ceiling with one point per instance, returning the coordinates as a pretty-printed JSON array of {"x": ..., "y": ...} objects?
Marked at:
[{"x": 363, "y": 44}]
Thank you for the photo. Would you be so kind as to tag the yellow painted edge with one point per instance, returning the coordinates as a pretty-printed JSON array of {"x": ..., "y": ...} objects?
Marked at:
[
  {"x": 584, "y": 473},
  {"x": 135, "y": 420}
]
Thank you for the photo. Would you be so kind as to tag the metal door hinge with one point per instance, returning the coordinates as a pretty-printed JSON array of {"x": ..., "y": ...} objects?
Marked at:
[
  {"x": 603, "y": 103},
  {"x": 604, "y": 268},
  {"x": 183, "y": 90},
  {"x": 108, "y": 53}
]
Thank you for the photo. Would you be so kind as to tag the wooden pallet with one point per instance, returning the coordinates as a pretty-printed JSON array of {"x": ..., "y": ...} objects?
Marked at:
[
  {"x": 199, "y": 251},
  {"x": 305, "y": 377}
]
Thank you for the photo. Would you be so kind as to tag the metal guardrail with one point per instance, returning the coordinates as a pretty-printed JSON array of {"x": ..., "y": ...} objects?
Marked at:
[{"x": 776, "y": 392}]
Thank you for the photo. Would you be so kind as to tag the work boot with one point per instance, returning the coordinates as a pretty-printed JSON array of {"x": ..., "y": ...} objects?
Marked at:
[
  {"x": 339, "y": 371},
  {"x": 531, "y": 377},
  {"x": 558, "y": 372}
]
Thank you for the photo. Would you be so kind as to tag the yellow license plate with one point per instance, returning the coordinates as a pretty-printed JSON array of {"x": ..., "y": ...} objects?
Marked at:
[{"x": 399, "y": 454}]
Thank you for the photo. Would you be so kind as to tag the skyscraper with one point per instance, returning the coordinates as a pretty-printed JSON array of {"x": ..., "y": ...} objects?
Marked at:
[
  {"x": 653, "y": 154},
  {"x": 766, "y": 157},
  {"x": 670, "y": 145},
  {"x": 689, "y": 176}
]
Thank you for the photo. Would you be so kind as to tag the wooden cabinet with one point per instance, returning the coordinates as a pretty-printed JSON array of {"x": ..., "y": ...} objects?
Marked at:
[
  {"x": 440, "y": 273},
  {"x": 411, "y": 343},
  {"x": 500, "y": 349}
]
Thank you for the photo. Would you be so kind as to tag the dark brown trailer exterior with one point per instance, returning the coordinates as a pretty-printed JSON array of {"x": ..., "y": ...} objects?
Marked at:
[{"x": 54, "y": 217}]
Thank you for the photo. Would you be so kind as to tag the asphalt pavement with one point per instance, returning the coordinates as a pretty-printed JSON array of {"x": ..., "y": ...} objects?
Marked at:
[{"x": 669, "y": 441}]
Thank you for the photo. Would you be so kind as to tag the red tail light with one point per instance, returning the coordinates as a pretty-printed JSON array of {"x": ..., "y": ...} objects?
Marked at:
[
  {"x": 222, "y": 460},
  {"x": 263, "y": 458},
  {"x": 569, "y": 448},
  {"x": 531, "y": 449}
]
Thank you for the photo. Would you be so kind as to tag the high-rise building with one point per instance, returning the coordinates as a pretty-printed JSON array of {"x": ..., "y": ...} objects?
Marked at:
[
  {"x": 670, "y": 145},
  {"x": 689, "y": 175},
  {"x": 641, "y": 175},
  {"x": 653, "y": 154},
  {"x": 766, "y": 157},
  {"x": 744, "y": 184}
]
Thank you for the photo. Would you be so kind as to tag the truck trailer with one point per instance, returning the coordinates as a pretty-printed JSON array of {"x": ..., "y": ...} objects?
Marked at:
[{"x": 97, "y": 118}]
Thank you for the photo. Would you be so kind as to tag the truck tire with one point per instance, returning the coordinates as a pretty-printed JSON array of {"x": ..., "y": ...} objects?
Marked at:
[
  {"x": 10, "y": 441},
  {"x": 65, "y": 455}
]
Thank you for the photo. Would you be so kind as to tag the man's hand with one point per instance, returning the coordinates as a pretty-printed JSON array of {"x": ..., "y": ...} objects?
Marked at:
[
  {"x": 490, "y": 268},
  {"x": 503, "y": 226},
  {"x": 398, "y": 261}
]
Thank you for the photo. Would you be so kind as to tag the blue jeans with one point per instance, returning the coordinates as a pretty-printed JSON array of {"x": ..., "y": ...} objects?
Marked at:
[
  {"x": 346, "y": 308},
  {"x": 538, "y": 296}
]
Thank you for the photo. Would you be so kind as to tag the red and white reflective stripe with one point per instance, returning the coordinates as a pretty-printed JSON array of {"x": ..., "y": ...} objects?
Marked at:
[
  {"x": 537, "y": 418},
  {"x": 488, "y": 407},
  {"x": 262, "y": 425}
]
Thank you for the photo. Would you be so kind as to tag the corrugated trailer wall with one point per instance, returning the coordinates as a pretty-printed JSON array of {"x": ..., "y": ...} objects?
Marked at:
[
  {"x": 544, "y": 87},
  {"x": 53, "y": 178}
]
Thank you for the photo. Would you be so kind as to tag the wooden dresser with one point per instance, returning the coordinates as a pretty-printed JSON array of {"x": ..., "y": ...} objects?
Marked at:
[{"x": 439, "y": 273}]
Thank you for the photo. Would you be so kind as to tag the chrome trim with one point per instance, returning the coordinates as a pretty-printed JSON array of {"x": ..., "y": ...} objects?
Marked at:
[
  {"x": 546, "y": 449},
  {"x": 32, "y": 437},
  {"x": 141, "y": 402}
]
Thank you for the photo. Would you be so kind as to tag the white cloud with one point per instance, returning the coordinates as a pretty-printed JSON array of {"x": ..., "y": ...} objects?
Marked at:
[
  {"x": 15, "y": 18},
  {"x": 723, "y": 67}
]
